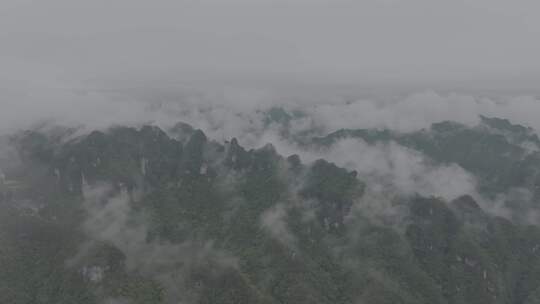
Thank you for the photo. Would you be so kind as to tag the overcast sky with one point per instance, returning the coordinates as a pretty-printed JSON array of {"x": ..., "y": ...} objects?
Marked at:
[{"x": 483, "y": 42}]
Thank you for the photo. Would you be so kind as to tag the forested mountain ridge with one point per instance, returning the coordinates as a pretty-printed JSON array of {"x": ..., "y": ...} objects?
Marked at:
[
  {"x": 503, "y": 156},
  {"x": 143, "y": 215}
]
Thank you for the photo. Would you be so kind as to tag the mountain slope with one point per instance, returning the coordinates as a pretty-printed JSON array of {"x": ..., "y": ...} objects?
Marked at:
[{"x": 145, "y": 216}]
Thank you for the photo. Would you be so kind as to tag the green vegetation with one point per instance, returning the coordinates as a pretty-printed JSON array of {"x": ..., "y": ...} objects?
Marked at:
[{"x": 193, "y": 231}]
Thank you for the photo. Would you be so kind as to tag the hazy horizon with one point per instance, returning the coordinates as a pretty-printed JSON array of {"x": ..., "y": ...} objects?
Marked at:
[{"x": 461, "y": 45}]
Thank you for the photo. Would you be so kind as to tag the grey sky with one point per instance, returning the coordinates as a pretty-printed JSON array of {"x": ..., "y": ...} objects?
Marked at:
[{"x": 488, "y": 42}]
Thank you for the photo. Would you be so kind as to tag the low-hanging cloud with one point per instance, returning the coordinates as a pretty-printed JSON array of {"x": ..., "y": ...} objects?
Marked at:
[
  {"x": 274, "y": 221},
  {"x": 419, "y": 110},
  {"x": 395, "y": 168},
  {"x": 226, "y": 111},
  {"x": 112, "y": 220},
  {"x": 391, "y": 172}
]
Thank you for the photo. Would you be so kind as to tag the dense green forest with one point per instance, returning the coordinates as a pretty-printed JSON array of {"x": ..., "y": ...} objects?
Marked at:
[{"x": 145, "y": 215}]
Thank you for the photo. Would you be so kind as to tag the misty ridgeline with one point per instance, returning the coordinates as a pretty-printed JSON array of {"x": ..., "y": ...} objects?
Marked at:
[
  {"x": 442, "y": 214},
  {"x": 269, "y": 151}
]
